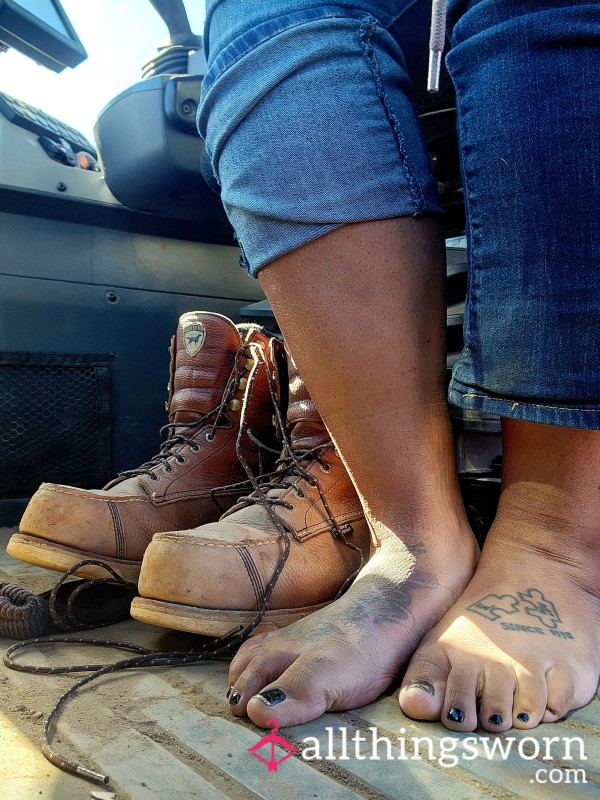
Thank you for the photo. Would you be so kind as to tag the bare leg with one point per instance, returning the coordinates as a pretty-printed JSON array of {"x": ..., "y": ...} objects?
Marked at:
[
  {"x": 362, "y": 312},
  {"x": 522, "y": 644}
]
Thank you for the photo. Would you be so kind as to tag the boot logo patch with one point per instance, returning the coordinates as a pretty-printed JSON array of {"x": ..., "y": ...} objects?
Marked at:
[{"x": 194, "y": 335}]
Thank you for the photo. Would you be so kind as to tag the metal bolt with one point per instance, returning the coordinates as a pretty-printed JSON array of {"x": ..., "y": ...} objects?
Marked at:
[
  {"x": 188, "y": 107},
  {"x": 111, "y": 297},
  {"x": 62, "y": 187}
]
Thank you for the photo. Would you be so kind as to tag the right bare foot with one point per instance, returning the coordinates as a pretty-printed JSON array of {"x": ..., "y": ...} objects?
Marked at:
[{"x": 345, "y": 655}]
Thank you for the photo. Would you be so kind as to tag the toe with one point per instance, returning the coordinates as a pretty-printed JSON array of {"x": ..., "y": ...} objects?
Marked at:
[
  {"x": 259, "y": 672},
  {"x": 245, "y": 654},
  {"x": 561, "y": 693},
  {"x": 496, "y": 707},
  {"x": 424, "y": 685},
  {"x": 301, "y": 693},
  {"x": 459, "y": 711},
  {"x": 529, "y": 703}
]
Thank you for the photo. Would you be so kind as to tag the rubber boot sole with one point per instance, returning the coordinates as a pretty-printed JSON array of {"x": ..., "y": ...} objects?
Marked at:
[
  {"x": 211, "y": 621},
  {"x": 59, "y": 557}
]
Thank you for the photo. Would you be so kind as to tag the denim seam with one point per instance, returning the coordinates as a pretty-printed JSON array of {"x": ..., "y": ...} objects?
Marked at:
[
  {"x": 270, "y": 35},
  {"x": 366, "y": 31},
  {"x": 470, "y": 321},
  {"x": 516, "y": 403}
]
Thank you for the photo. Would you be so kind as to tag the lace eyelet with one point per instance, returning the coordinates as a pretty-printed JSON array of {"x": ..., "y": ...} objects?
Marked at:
[
  {"x": 168, "y": 469},
  {"x": 323, "y": 468},
  {"x": 181, "y": 460},
  {"x": 194, "y": 448},
  {"x": 290, "y": 506},
  {"x": 153, "y": 477},
  {"x": 210, "y": 437}
]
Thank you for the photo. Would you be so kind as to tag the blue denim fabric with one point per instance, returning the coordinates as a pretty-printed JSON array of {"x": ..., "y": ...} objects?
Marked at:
[
  {"x": 526, "y": 77},
  {"x": 307, "y": 118},
  {"x": 309, "y": 125}
]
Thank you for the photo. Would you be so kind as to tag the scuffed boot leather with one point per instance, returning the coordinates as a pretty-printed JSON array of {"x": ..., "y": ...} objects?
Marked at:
[
  {"x": 219, "y": 576},
  {"x": 211, "y": 361}
]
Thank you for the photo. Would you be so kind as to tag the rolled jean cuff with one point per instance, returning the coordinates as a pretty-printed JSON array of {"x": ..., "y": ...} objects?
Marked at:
[
  {"x": 566, "y": 416},
  {"x": 308, "y": 126},
  {"x": 525, "y": 76}
]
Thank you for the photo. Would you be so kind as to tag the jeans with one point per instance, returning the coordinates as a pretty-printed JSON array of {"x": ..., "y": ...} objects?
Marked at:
[{"x": 308, "y": 116}]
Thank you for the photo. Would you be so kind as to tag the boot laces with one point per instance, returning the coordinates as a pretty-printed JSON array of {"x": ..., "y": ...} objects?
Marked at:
[
  {"x": 290, "y": 468},
  {"x": 291, "y": 465},
  {"x": 178, "y": 434}
]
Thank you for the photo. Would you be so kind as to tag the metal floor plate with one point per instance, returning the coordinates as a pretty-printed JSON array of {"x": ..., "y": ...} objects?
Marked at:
[{"x": 167, "y": 735}]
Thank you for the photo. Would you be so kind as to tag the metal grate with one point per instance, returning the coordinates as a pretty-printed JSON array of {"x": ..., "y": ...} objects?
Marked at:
[{"x": 55, "y": 421}]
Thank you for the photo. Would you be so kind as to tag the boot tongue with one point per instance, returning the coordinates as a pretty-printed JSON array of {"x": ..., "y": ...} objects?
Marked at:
[
  {"x": 202, "y": 357},
  {"x": 306, "y": 427}
]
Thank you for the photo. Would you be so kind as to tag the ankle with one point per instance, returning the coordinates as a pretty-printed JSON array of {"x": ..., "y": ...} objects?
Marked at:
[{"x": 548, "y": 524}]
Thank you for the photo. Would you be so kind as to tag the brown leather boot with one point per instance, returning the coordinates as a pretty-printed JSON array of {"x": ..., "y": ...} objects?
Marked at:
[
  {"x": 217, "y": 577},
  {"x": 214, "y": 364}
]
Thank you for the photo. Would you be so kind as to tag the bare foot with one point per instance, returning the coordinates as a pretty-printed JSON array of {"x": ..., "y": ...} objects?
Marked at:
[
  {"x": 522, "y": 644},
  {"x": 345, "y": 655}
]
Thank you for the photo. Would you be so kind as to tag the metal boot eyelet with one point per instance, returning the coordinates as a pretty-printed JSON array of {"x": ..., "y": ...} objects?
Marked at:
[
  {"x": 323, "y": 469},
  {"x": 194, "y": 448},
  {"x": 153, "y": 477},
  {"x": 210, "y": 437},
  {"x": 181, "y": 460}
]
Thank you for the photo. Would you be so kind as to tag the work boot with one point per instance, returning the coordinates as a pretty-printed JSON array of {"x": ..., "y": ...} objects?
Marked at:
[
  {"x": 219, "y": 576},
  {"x": 213, "y": 365}
]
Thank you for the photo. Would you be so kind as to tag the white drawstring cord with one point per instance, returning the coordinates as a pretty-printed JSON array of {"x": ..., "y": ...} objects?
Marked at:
[{"x": 437, "y": 39}]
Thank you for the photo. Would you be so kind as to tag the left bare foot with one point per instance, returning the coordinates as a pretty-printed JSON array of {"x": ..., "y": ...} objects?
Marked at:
[{"x": 522, "y": 644}]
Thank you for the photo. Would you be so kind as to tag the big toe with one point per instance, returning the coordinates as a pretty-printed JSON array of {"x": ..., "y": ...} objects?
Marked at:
[
  {"x": 424, "y": 685},
  {"x": 309, "y": 687}
]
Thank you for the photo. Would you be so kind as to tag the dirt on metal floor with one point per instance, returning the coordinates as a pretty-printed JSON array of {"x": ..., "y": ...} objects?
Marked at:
[{"x": 166, "y": 734}]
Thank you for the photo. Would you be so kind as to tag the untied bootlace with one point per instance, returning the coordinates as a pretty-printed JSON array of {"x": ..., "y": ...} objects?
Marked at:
[{"x": 290, "y": 464}]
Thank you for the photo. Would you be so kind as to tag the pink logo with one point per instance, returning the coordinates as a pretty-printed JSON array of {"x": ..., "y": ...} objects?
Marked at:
[{"x": 269, "y": 742}]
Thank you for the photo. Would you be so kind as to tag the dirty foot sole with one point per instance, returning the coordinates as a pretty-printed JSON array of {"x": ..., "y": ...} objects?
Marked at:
[
  {"x": 211, "y": 621},
  {"x": 59, "y": 557}
]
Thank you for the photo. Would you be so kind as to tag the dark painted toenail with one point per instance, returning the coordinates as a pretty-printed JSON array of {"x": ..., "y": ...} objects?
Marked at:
[
  {"x": 425, "y": 685},
  {"x": 495, "y": 719},
  {"x": 272, "y": 697},
  {"x": 456, "y": 715},
  {"x": 235, "y": 698},
  {"x": 523, "y": 716},
  {"x": 229, "y": 691}
]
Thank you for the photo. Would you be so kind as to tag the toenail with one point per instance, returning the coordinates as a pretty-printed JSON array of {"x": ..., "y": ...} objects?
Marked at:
[
  {"x": 272, "y": 697},
  {"x": 425, "y": 685},
  {"x": 495, "y": 719},
  {"x": 456, "y": 715},
  {"x": 523, "y": 716},
  {"x": 235, "y": 698},
  {"x": 551, "y": 711},
  {"x": 229, "y": 691}
]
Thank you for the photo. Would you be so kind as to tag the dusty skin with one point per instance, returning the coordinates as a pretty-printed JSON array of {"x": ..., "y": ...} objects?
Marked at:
[{"x": 345, "y": 655}]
